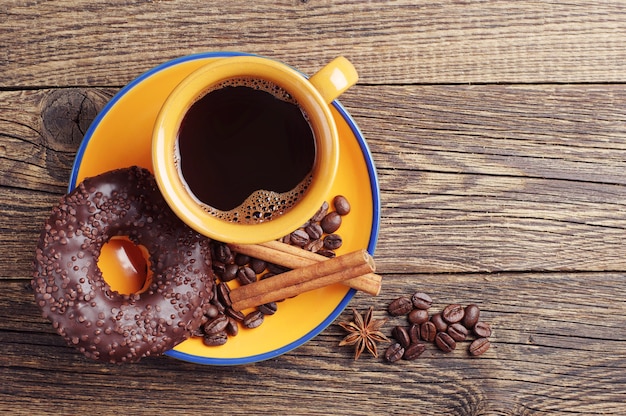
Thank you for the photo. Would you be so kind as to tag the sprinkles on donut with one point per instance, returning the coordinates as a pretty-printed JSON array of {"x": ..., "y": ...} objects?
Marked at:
[{"x": 71, "y": 291}]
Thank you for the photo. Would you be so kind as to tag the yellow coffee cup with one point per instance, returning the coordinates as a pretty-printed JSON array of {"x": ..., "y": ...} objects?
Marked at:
[{"x": 210, "y": 144}]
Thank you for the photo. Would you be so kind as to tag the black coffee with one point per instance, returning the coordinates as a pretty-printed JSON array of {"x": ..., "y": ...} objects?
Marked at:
[{"x": 246, "y": 149}]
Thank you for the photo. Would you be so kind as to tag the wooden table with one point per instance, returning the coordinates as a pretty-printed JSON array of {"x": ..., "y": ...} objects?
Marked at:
[{"x": 498, "y": 129}]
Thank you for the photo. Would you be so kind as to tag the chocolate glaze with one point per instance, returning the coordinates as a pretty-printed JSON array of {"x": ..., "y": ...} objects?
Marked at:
[{"x": 69, "y": 288}]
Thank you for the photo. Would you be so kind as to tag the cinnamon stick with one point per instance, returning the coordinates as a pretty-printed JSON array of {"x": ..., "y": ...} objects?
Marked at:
[
  {"x": 294, "y": 257},
  {"x": 304, "y": 279}
]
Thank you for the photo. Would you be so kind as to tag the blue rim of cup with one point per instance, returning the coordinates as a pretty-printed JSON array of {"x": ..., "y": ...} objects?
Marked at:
[{"x": 373, "y": 185}]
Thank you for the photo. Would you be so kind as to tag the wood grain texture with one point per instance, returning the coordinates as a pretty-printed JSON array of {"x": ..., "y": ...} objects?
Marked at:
[
  {"x": 568, "y": 325},
  {"x": 81, "y": 42}
]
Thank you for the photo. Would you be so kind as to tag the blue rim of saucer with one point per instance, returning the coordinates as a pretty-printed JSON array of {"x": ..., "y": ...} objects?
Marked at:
[{"x": 373, "y": 185}]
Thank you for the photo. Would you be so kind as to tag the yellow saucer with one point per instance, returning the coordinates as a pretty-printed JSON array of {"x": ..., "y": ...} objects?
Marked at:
[{"x": 120, "y": 136}]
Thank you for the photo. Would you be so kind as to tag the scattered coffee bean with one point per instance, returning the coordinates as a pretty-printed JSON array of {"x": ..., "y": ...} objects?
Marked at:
[
  {"x": 241, "y": 259},
  {"x": 299, "y": 238},
  {"x": 230, "y": 272},
  {"x": 400, "y": 306},
  {"x": 445, "y": 342},
  {"x": 479, "y": 346},
  {"x": 232, "y": 329},
  {"x": 321, "y": 213},
  {"x": 215, "y": 325},
  {"x": 418, "y": 316},
  {"x": 453, "y": 313},
  {"x": 414, "y": 333},
  {"x": 215, "y": 340},
  {"x": 253, "y": 319},
  {"x": 440, "y": 324},
  {"x": 314, "y": 245},
  {"x": 246, "y": 275},
  {"x": 211, "y": 312},
  {"x": 268, "y": 308},
  {"x": 401, "y": 334},
  {"x": 331, "y": 222},
  {"x": 472, "y": 314},
  {"x": 223, "y": 294},
  {"x": 341, "y": 204},
  {"x": 236, "y": 315},
  {"x": 421, "y": 300},
  {"x": 394, "y": 352},
  {"x": 332, "y": 241},
  {"x": 258, "y": 265},
  {"x": 428, "y": 331},
  {"x": 482, "y": 330},
  {"x": 223, "y": 253},
  {"x": 327, "y": 253},
  {"x": 314, "y": 230},
  {"x": 458, "y": 332},
  {"x": 413, "y": 351}
]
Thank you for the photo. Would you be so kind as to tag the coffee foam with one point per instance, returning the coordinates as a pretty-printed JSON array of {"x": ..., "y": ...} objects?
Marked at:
[{"x": 262, "y": 205}]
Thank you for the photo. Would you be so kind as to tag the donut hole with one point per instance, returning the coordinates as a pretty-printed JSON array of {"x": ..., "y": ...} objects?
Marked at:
[{"x": 125, "y": 266}]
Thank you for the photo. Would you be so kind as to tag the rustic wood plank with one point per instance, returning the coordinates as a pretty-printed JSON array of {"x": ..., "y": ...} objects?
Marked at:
[
  {"x": 85, "y": 43},
  {"x": 474, "y": 178},
  {"x": 546, "y": 351},
  {"x": 498, "y": 177}
]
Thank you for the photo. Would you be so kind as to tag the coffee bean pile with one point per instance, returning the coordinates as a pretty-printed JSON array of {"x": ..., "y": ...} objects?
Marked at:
[
  {"x": 454, "y": 324},
  {"x": 221, "y": 321}
]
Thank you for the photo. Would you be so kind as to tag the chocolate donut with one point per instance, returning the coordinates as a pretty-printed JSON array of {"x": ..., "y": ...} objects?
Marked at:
[{"x": 69, "y": 288}]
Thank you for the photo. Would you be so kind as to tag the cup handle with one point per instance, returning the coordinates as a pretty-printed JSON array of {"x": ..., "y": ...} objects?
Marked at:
[{"x": 336, "y": 77}]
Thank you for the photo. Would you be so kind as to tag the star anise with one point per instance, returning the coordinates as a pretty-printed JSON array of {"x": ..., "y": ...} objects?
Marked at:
[{"x": 363, "y": 332}]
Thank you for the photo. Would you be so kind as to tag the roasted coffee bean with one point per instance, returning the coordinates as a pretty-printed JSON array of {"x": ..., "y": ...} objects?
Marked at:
[
  {"x": 482, "y": 330},
  {"x": 258, "y": 265},
  {"x": 453, "y": 313},
  {"x": 321, "y": 213},
  {"x": 414, "y": 333},
  {"x": 223, "y": 253},
  {"x": 246, "y": 275},
  {"x": 400, "y": 306},
  {"x": 458, "y": 332},
  {"x": 428, "y": 331},
  {"x": 223, "y": 294},
  {"x": 215, "y": 325},
  {"x": 331, "y": 222},
  {"x": 472, "y": 314},
  {"x": 401, "y": 335},
  {"x": 253, "y": 319},
  {"x": 299, "y": 238},
  {"x": 421, "y": 300},
  {"x": 445, "y": 342},
  {"x": 418, "y": 316},
  {"x": 413, "y": 351},
  {"x": 394, "y": 352},
  {"x": 333, "y": 241},
  {"x": 268, "y": 308},
  {"x": 241, "y": 259},
  {"x": 230, "y": 272},
  {"x": 232, "y": 328},
  {"x": 327, "y": 253},
  {"x": 440, "y": 324},
  {"x": 314, "y": 245},
  {"x": 236, "y": 315},
  {"x": 211, "y": 311},
  {"x": 276, "y": 269},
  {"x": 218, "y": 268},
  {"x": 341, "y": 204},
  {"x": 314, "y": 230},
  {"x": 213, "y": 340},
  {"x": 479, "y": 346}
]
